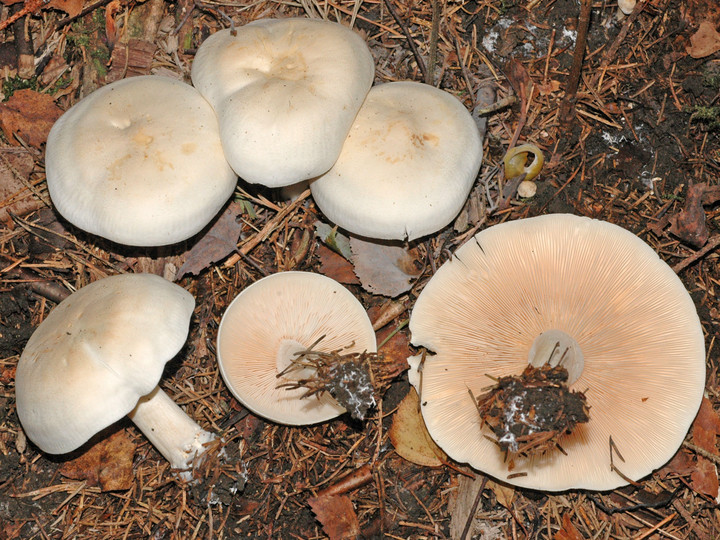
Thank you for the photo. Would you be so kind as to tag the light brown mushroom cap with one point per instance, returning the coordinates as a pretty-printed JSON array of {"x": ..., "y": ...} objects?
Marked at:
[
  {"x": 276, "y": 317},
  {"x": 407, "y": 166},
  {"x": 139, "y": 162},
  {"x": 286, "y": 92},
  {"x": 634, "y": 321},
  {"x": 96, "y": 354}
]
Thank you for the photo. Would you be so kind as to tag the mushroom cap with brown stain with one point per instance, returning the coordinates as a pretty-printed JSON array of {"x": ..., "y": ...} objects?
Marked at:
[
  {"x": 139, "y": 162},
  {"x": 286, "y": 92},
  {"x": 271, "y": 320},
  {"x": 633, "y": 319},
  {"x": 407, "y": 166}
]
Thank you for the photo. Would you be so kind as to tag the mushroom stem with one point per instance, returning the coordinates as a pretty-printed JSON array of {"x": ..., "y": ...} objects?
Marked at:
[
  {"x": 175, "y": 435},
  {"x": 556, "y": 347}
]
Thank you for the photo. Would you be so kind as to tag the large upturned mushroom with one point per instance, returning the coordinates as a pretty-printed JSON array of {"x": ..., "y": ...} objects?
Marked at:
[
  {"x": 271, "y": 321},
  {"x": 139, "y": 162},
  {"x": 286, "y": 92},
  {"x": 407, "y": 165},
  {"x": 591, "y": 297},
  {"x": 99, "y": 356}
]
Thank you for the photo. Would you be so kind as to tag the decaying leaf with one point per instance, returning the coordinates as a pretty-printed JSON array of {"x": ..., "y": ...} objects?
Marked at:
[
  {"x": 336, "y": 241},
  {"x": 689, "y": 224},
  {"x": 217, "y": 243},
  {"x": 505, "y": 495},
  {"x": 337, "y": 516},
  {"x": 108, "y": 464},
  {"x": 14, "y": 194},
  {"x": 384, "y": 269},
  {"x": 568, "y": 531},
  {"x": 410, "y": 437},
  {"x": 29, "y": 115},
  {"x": 71, "y": 7},
  {"x": 705, "y": 430},
  {"x": 335, "y": 266},
  {"x": 705, "y": 41}
]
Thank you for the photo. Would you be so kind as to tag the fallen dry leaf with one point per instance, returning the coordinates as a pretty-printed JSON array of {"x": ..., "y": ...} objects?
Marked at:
[
  {"x": 505, "y": 495},
  {"x": 410, "y": 437},
  {"x": 337, "y": 516},
  {"x": 216, "y": 244},
  {"x": 705, "y": 430},
  {"x": 383, "y": 268},
  {"x": 568, "y": 531},
  {"x": 15, "y": 197},
  {"x": 29, "y": 115},
  {"x": 335, "y": 266},
  {"x": 71, "y": 7},
  {"x": 705, "y": 41},
  {"x": 689, "y": 224},
  {"x": 108, "y": 463}
]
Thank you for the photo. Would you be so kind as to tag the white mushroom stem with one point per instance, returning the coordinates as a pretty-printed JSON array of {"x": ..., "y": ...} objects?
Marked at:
[
  {"x": 175, "y": 435},
  {"x": 556, "y": 347}
]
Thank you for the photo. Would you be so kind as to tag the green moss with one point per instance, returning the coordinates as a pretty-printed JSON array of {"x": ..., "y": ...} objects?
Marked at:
[
  {"x": 11, "y": 84},
  {"x": 708, "y": 117}
]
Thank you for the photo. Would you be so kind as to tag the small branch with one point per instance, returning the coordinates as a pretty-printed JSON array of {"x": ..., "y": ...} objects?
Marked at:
[
  {"x": 434, "y": 31},
  {"x": 567, "y": 107},
  {"x": 411, "y": 43},
  {"x": 709, "y": 246}
]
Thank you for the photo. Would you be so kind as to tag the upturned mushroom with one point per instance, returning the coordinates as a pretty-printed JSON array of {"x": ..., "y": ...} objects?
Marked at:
[
  {"x": 139, "y": 162},
  {"x": 407, "y": 165},
  {"x": 286, "y": 92},
  {"x": 269, "y": 323},
  {"x": 597, "y": 303},
  {"x": 99, "y": 356}
]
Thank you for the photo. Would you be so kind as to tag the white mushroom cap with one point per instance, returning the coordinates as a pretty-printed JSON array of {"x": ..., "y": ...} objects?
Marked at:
[
  {"x": 407, "y": 165},
  {"x": 286, "y": 92},
  {"x": 139, "y": 162},
  {"x": 97, "y": 355},
  {"x": 276, "y": 317},
  {"x": 633, "y": 320}
]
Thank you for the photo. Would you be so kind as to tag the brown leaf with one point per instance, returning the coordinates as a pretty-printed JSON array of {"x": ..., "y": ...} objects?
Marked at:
[
  {"x": 681, "y": 464},
  {"x": 217, "y": 243},
  {"x": 705, "y": 430},
  {"x": 30, "y": 115},
  {"x": 704, "y": 479},
  {"x": 337, "y": 516},
  {"x": 705, "y": 41},
  {"x": 71, "y": 7},
  {"x": 689, "y": 224},
  {"x": 568, "y": 531},
  {"x": 519, "y": 79},
  {"x": 108, "y": 464},
  {"x": 410, "y": 437},
  {"x": 336, "y": 266},
  {"x": 14, "y": 194},
  {"x": 383, "y": 269},
  {"x": 505, "y": 495}
]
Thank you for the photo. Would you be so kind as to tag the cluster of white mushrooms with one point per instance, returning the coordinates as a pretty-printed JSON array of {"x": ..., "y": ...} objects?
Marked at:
[{"x": 149, "y": 161}]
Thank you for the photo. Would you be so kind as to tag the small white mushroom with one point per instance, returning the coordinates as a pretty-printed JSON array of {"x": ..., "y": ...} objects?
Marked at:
[
  {"x": 286, "y": 92},
  {"x": 270, "y": 321},
  {"x": 407, "y": 166},
  {"x": 139, "y": 162},
  {"x": 99, "y": 356}
]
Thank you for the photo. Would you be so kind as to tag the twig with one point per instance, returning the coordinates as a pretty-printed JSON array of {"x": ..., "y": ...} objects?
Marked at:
[
  {"x": 567, "y": 107},
  {"x": 702, "y": 452},
  {"x": 476, "y": 503},
  {"x": 30, "y": 6},
  {"x": 707, "y": 248},
  {"x": 434, "y": 31},
  {"x": 411, "y": 43}
]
